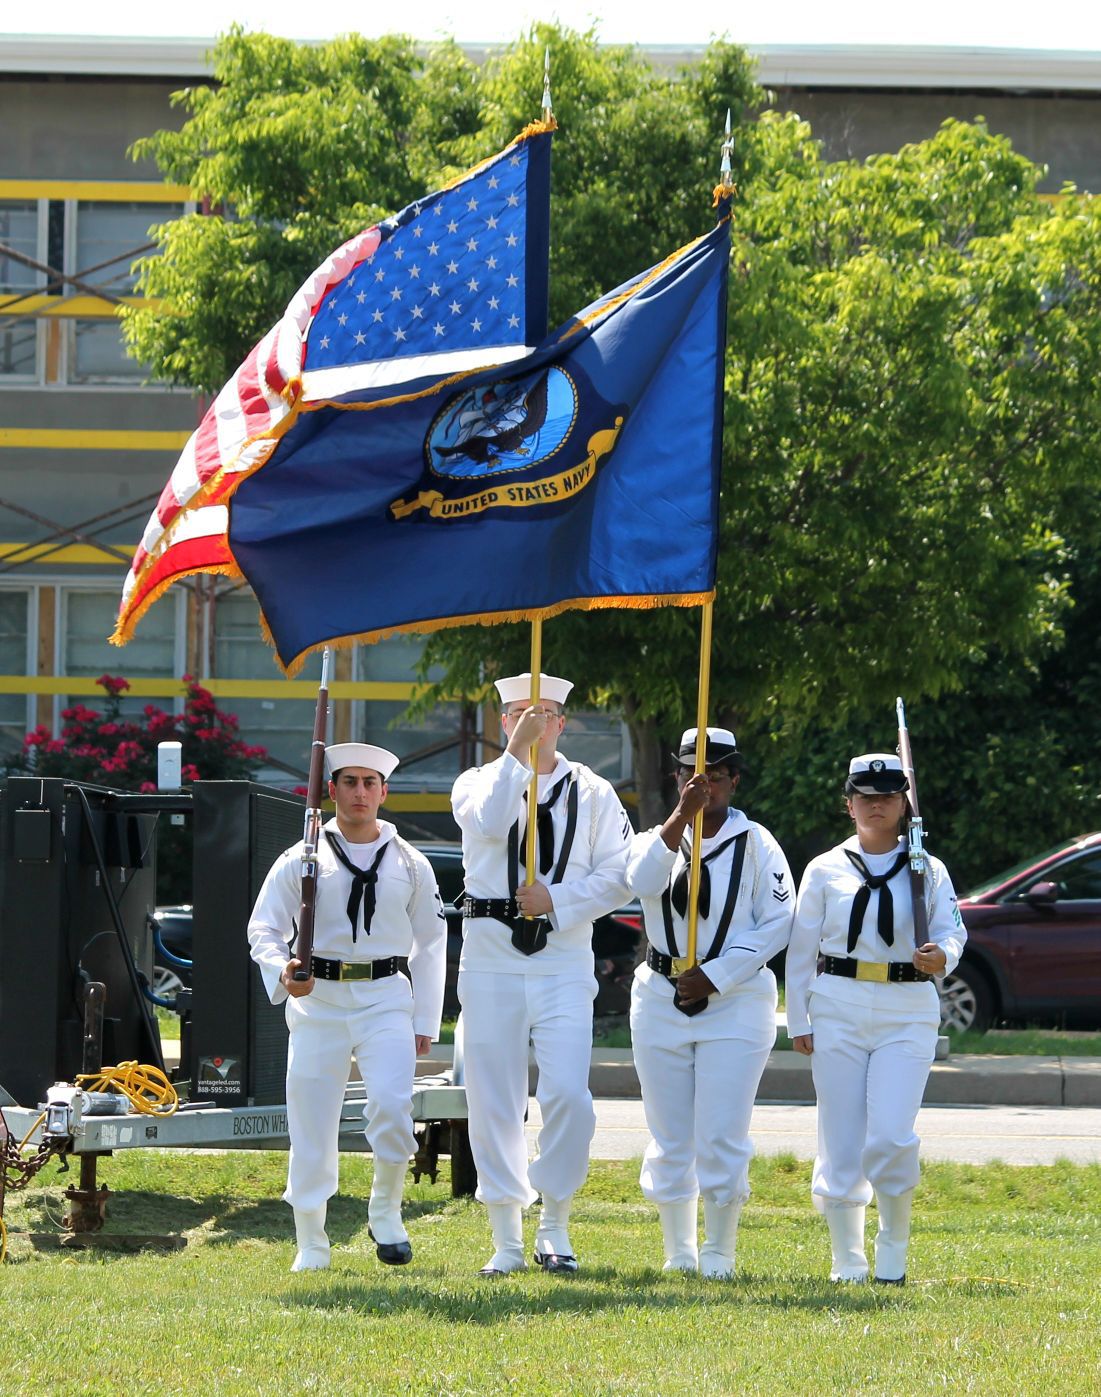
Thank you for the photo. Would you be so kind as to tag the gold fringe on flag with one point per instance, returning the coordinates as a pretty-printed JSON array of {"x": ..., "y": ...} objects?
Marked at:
[{"x": 489, "y": 618}]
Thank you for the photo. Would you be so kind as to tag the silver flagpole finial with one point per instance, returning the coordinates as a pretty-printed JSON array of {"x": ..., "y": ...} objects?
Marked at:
[
  {"x": 726, "y": 179},
  {"x": 547, "y": 110}
]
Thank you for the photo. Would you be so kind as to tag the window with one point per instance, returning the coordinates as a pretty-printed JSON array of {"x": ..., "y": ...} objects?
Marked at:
[
  {"x": 414, "y": 743},
  {"x": 19, "y": 230},
  {"x": 106, "y": 240},
  {"x": 154, "y": 653},
  {"x": 392, "y": 661},
  {"x": 19, "y": 338},
  {"x": 599, "y": 740},
  {"x": 19, "y": 333},
  {"x": 1080, "y": 881},
  {"x": 99, "y": 354},
  {"x": 14, "y": 659},
  {"x": 283, "y": 726}
]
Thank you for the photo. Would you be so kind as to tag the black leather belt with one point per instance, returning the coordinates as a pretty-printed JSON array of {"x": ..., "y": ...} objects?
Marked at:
[
  {"x": 504, "y": 909},
  {"x": 357, "y": 969},
  {"x": 893, "y": 972},
  {"x": 669, "y": 966}
]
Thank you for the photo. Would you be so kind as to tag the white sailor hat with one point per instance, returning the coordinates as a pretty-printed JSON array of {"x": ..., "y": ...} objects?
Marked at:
[
  {"x": 876, "y": 773},
  {"x": 722, "y": 748},
  {"x": 517, "y": 688},
  {"x": 360, "y": 754}
]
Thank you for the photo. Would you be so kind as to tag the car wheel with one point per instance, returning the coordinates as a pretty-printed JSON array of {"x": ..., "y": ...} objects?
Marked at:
[
  {"x": 166, "y": 982},
  {"x": 966, "y": 1001}
]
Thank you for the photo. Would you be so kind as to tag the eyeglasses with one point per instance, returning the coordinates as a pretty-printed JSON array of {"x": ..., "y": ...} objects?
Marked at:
[{"x": 519, "y": 712}]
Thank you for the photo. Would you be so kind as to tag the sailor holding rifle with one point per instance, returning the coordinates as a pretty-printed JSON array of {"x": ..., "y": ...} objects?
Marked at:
[
  {"x": 375, "y": 991},
  {"x": 862, "y": 1005}
]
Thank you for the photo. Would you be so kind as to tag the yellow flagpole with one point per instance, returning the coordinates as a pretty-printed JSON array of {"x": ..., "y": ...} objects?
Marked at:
[
  {"x": 702, "y": 699},
  {"x": 724, "y": 190},
  {"x": 537, "y": 624},
  {"x": 533, "y": 789}
]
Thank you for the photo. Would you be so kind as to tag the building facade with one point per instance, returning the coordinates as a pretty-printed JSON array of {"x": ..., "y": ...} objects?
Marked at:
[{"x": 86, "y": 443}]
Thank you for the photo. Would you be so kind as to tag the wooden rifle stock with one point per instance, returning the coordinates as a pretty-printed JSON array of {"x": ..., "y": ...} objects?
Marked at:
[
  {"x": 311, "y": 833},
  {"x": 914, "y": 832}
]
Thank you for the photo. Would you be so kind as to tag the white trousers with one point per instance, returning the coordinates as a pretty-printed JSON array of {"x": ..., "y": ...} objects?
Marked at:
[
  {"x": 500, "y": 1013},
  {"x": 323, "y": 1037},
  {"x": 699, "y": 1081},
  {"x": 870, "y": 1066}
]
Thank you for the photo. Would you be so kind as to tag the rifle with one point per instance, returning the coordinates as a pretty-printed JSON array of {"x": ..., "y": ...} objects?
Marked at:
[
  {"x": 914, "y": 832},
  {"x": 311, "y": 833}
]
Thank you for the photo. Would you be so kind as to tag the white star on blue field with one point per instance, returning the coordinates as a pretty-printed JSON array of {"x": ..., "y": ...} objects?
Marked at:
[{"x": 448, "y": 275}]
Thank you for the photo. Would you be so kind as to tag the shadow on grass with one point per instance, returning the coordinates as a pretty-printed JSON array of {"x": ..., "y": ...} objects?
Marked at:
[
  {"x": 226, "y": 1220},
  {"x": 435, "y": 1293}
]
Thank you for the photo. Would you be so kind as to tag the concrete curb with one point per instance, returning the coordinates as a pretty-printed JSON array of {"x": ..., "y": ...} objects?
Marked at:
[
  {"x": 971, "y": 1079},
  {"x": 967, "y": 1079}
]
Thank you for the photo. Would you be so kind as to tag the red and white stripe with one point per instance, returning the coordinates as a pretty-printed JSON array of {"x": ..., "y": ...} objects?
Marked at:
[{"x": 188, "y": 530}]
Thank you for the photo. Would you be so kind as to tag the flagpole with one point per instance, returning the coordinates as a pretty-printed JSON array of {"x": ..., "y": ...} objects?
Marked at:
[
  {"x": 536, "y": 664},
  {"x": 533, "y": 789},
  {"x": 724, "y": 191},
  {"x": 702, "y": 699}
]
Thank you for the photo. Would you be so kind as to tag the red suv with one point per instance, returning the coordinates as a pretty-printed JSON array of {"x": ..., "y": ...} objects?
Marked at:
[{"x": 1033, "y": 950}]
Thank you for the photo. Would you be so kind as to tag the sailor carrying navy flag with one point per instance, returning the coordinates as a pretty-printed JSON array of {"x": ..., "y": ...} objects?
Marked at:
[
  {"x": 702, "y": 1035},
  {"x": 526, "y": 972}
]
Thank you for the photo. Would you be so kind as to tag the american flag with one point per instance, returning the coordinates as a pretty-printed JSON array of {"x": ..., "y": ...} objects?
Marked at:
[{"x": 454, "y": 282}]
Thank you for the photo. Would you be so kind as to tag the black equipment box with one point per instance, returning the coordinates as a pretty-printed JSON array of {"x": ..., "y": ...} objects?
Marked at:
[
  {"x": 77, "y": 885},
  {"x": 238, "y": 1043}
]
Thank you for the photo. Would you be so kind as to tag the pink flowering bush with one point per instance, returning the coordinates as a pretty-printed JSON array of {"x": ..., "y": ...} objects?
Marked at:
[
  {"x": 106, "y": 749},
  {"x": 109, "y": 750}
]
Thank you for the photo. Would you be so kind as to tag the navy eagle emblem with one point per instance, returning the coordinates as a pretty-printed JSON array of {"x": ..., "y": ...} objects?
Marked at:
[
  {"x": 503, "y": 426},
  {"x": 532, "y": 440}
]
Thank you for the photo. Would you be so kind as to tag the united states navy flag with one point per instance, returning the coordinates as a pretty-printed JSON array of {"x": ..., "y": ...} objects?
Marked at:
[{"x": 585, "y": 475}]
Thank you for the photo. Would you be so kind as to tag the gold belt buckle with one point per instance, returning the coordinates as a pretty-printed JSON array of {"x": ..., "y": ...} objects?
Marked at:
[
  {"x": 357, "y": 970},
  {"x": 872, "y": 970},
  {"x": 680, "y": 966}
]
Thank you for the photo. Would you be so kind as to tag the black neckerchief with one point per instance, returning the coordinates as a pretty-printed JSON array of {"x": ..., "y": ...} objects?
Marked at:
[
  {"x": 669, "y": 897},
  {"x": 546, "y": 840},
  {"x": 363, "y": 884},
  {"x": 885, "y": 919}
]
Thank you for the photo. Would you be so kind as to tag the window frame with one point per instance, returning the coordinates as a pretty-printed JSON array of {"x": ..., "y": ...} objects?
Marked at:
[
  {"x": 30, "y": 646},
  {"x": 38, "y": 375},
  {"x": 63, "y": 589}
]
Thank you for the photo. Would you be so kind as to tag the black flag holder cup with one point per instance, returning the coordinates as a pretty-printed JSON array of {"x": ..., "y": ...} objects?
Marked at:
[{"x": 529, "y": 934}]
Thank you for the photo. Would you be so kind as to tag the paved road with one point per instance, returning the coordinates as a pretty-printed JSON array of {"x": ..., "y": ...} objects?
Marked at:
[{"x": 967, "y": 1134}]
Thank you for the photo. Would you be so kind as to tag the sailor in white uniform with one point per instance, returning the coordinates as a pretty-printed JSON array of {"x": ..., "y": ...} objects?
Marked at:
[
  {"x": 376, "y": 992},
  {"x": 522, "y": 979},
  {"x": 862, "y": 1004},
  {"x": 702, "y": 1036}
]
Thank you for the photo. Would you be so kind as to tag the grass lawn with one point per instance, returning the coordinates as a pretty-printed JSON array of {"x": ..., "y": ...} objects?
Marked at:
[
  {"x": 1003, "y": 1295},
  {"x": 1036, "y": 1042},
  {"x": 1030, "y": 1042}
]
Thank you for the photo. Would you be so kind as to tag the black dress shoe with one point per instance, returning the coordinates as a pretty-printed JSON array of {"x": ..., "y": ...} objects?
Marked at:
[
  {"x": 557, "y": 1263},
  {"x": 898, "y": 1280},
  {"x": 392, "y": 1253}
]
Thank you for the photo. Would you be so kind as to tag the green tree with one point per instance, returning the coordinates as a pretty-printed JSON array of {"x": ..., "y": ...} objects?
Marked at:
[
  {"x": 300, "y": 147},
  {"x": 911, "y": 412},
  {"x": 911, "y": 393}
]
